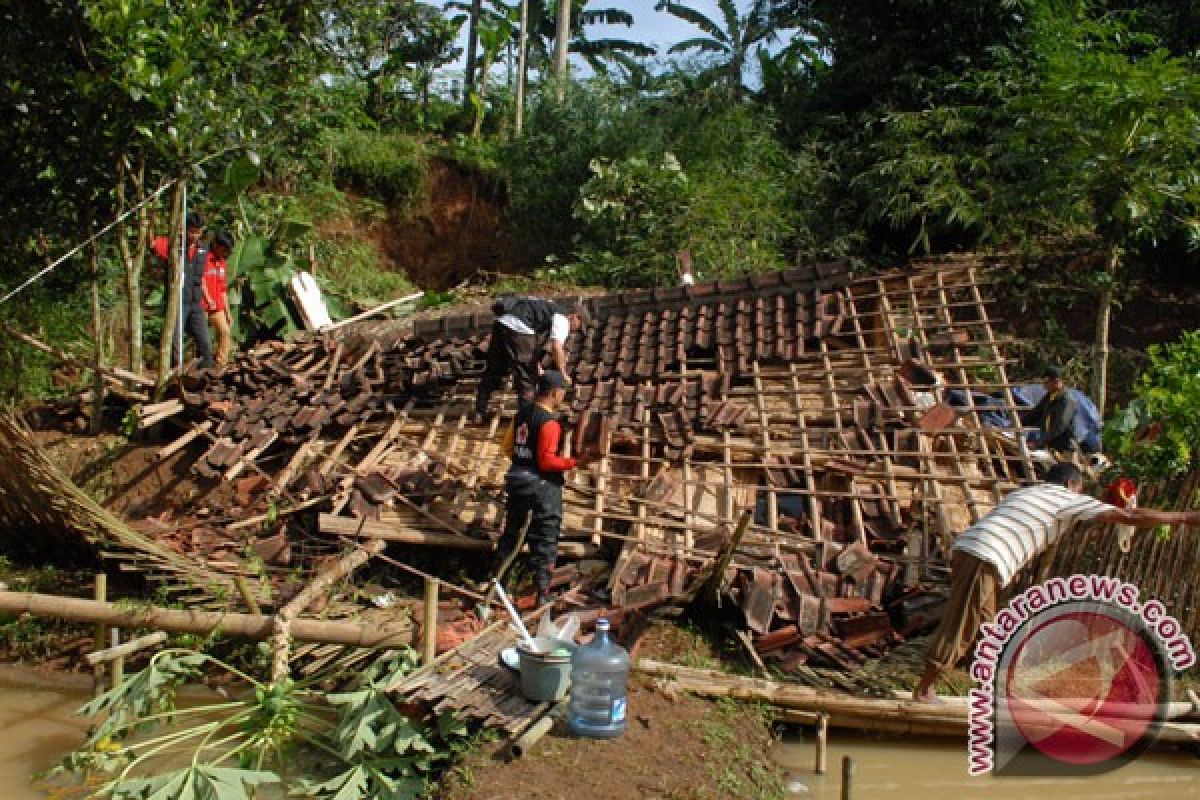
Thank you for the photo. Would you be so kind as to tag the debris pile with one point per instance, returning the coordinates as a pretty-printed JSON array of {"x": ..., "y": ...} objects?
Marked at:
[{"x": 805, "y": 404}]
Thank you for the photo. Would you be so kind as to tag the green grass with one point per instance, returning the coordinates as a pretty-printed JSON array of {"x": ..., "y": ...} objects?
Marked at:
[{"x": 738, "y": 767}]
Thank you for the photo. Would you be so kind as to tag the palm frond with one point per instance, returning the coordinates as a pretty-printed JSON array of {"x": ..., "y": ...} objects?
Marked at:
[
  {"x": 606, "y": 16},
  {"x": 694, "y": 17},
  {"x": 603, "y": 47},
  {"x": 700, "y": 44}
]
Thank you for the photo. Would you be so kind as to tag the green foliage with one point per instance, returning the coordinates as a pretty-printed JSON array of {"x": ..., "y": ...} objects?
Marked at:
[
  {"x": 390, "y": 167},
  {"x": 1104, "y": 132},
  {"x": 629, "y": 210},
  {"x": 647, "y": 177},
  {"x": 358, "y": 741},
  {"x": 1157, "y": 436}
]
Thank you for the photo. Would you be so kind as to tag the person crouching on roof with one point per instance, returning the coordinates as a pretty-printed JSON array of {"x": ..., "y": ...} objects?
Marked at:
[{"x": 534, "y": 482}]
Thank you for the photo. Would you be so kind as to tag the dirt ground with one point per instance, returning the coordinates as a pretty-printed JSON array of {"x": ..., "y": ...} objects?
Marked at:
[{"x": 677, "y": 747}]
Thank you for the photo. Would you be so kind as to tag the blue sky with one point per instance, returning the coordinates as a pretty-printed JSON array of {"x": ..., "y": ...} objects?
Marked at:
[{"x": 652, "y": 27}]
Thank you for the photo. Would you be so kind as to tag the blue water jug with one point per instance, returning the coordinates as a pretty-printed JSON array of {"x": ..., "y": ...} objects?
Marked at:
[{"x": 599, "y": 672}]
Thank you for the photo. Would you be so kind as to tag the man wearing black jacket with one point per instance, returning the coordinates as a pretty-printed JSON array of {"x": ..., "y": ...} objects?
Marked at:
[
  {"x": 195, "y": 321},
  {"x": 534, "y": 482},
  {"x": 523, "y": 326},
  {"x": 1054, "y": 415}
]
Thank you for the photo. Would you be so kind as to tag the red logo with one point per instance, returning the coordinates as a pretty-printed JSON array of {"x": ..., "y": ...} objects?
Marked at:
[
  {"x": 1083, "y": 689},
  {"x": 522, "y": 435}
]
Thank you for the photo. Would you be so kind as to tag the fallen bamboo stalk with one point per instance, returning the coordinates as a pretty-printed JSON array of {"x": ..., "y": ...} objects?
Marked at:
[
  {"x": 949, "y": 717},
  {"x": 371, "y": 633},
  {"x": 115, "y": 374},
  {"x": 282, "y": 512},
  {"x": 525, "y": 743},
  {"x": 286, "y": 617},
  {"x": 127, "y": 649}
]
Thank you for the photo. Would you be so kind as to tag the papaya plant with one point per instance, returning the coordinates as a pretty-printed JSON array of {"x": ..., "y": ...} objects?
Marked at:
[{"x": 352, "y": 745}]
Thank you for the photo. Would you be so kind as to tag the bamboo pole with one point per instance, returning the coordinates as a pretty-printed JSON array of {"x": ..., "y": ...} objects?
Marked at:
[
  {"x": 409, "y": 298},
  {"x": 100, "y": 595},
  {"x": 127, "y": 649},
  {"x": 429, "y": 629},
  {"x": 371, "y": 633},
  {"x": 286, "y": 617},
  {"x": 822, "y": 745}
]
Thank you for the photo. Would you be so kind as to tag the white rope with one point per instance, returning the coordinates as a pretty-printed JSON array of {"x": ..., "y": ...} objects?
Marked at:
[{"x": 46, "y": 270}]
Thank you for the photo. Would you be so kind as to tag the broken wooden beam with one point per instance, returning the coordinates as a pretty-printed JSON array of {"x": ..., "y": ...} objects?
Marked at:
[{"x": 347, "y": 526}]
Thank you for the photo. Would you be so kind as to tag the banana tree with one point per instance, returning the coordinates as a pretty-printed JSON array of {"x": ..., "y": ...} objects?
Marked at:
[
  {"x": 494, "y": 33},
  {"x": 732, "y": 39}
]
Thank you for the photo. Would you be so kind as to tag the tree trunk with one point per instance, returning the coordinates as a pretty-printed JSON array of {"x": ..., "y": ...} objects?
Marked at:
[
  {"x": 1103, "y": 319},
  {"x": 98, "y": 336},
  {"x": 562, "y": 36},
  {"x": 481, "y": 109},
  {"x": 522, "y": 67},
  {"x": 472, "y": 49},
  {"x": 133, "y": 260},
  {"x": 173, "y": 284}
]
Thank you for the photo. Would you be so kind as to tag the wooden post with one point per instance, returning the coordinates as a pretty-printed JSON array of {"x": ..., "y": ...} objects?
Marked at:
[
  {"x": 822, "y": 754},
  {"x": 429, "y": 622},
  {"x": 100, "y": 594},
  {"x": 847, "y": 777},
  {"x": 118, "y": 664}
]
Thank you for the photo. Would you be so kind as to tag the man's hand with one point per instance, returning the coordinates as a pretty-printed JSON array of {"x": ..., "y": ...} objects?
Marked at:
[{"x": 587, "y": 458}]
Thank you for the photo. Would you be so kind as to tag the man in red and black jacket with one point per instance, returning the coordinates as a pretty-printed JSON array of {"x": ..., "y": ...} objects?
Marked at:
[{"x": 534, "y": 482}]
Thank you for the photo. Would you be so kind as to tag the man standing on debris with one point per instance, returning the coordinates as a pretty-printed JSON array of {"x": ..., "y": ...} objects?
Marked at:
[
  {"x": 534, "y": 482},
  {"x": 195, "y": 322},
  {"x": 216, "y": 294},
  {"x": 522, "y": 326},
  {"x": 1054, "y": 415},
  {"x": 989, "y": 554}
]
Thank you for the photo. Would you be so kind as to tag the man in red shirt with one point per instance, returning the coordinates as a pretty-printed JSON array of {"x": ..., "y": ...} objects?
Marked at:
[
  {"x": 215, "y": 300},
  {"x": 534, "y": 482},
  {"x": 194, "y": 321}
]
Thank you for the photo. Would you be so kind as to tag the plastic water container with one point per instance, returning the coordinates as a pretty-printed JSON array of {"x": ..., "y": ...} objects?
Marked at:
[{"x": 599, "y": 672}]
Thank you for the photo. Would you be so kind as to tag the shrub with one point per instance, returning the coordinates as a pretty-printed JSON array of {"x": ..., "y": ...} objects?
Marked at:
[
  {"x": 648, "y": 175},
  {"x": 1157, "y": 435},
  {"x": 388, "y": 166}
]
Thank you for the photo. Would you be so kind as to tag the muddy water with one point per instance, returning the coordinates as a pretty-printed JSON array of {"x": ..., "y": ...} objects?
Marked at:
[
  {"x": 934, "y": 769},
  {"x": 38, "y": 725}
]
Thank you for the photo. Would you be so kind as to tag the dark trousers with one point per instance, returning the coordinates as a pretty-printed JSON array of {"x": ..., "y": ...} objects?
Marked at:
[
  {"x": 195, "y": 324},
  {"x": 508, "y": 351},
  {"x": 543, "y": 508}
]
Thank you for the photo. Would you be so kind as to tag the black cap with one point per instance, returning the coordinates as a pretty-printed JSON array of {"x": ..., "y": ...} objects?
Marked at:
[
  {"x": 1051, "y": 374},
  {"x": 224, "y": 239},
  {"x": 194, "y": 219},
  {"x": 550, "y": 380}
]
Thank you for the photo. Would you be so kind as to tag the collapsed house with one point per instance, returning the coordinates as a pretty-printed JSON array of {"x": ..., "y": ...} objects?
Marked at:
[{"x": 781, "y": 440}]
